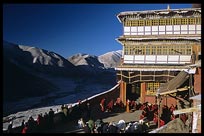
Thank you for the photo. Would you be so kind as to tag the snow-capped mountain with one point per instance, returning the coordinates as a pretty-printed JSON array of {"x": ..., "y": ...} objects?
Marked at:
[
  {"x": 107, "y": 60},
  {"x": 111, "y": 59},
  {"x": 32, "y": 59},
  {"x": 44, "y": 57},
  {"x": 96, "y": 64},
  {"x": 87, "y": 63},
  {"x": 37, "y": 55}
]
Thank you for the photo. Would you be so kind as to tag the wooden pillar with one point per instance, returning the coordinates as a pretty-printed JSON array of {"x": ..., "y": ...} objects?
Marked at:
[
  {"x": 123, "y": 92},
  {"x": 127, "y": 106},
  {"x": 143, "y": 92}
]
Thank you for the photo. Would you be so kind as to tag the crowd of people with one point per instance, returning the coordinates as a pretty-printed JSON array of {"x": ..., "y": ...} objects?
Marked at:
[
  {"x": 149, "y": 111},
  {"x": 121, "y": 126},
  {"x": 45, "y": 122},
  {"x": 90, "y": 124},
  {"x": 42, "y": 122},
  {"x": 111, "y": 106}
]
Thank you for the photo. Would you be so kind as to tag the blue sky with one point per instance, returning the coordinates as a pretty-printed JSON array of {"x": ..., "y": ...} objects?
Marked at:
[{"x": 68, "y": 29}]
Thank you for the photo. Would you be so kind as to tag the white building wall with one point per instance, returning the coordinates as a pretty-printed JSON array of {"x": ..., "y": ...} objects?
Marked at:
[
  {"x": 185, "y": 59},
  {"x": 173, "y": 59},
  {"x": 162, "y": 30},
  {"x": 157, "y": 59},
  {"x": 161, "y": 59},
  {"x": 198, "y": 29}
]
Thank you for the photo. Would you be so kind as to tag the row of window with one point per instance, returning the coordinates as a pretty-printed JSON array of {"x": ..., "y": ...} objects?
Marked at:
[
  {"x": 190, "y": 32},
  {"x": 164, "y": 21},
  {"x": 157, "y": 50},
  {"x": 168, "y": 29},
  {"x": 152, "y": 88}
]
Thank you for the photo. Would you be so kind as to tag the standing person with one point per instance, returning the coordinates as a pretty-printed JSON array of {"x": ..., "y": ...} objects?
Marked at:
[
  {"x": 81, "y": 123},
  {"x": 128, "y": 105},
  {"x": 88, "y": 110},
  {"x": 109, "y": 107},
  {"x": 91, "y": 125},
  {"x": 62, "y": 107},
  {"x": 45, "y": 120},
  {"x": 86, "y": 128},
  {"x": 105, "y": 127},
  {"x": 25, "y": 129},
  {"x": 79, "y": 106},
  {"x": 183, "y": 117},
  {"x": 103, "y": 104},
  {"x": 133, "y": 105},
  {"x": 10, "y": 127},
  {"x": 99, "y": 125},
  {"x": 121, "y": 125},
  {"x": 65, "y": 111},
  {"x": 51, "y": 117},
  {"x": 39, "y": 122},
  {"x": 117, "y": 104},
  {"x": 22, "y": 124},
  {"x": 112, "y": 128},
  {"x": 193, "y": 57},
  {"x": 173, "y": 117},
  {"x": 31, "y": 124},
  {"x": 162, "y": 123}
]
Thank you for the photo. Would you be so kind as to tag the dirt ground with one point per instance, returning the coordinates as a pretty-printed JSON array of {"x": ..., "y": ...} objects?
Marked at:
[{"x": 71, "y": 126}]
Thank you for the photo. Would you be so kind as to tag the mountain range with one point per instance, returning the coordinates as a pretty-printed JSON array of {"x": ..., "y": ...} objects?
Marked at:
[{"x": 34, "y": 73}]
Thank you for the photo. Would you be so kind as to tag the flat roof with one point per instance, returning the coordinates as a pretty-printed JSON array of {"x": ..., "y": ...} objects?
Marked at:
[
  {"x": 184, "y": 10},
  {"x": 157, "y": 12}
]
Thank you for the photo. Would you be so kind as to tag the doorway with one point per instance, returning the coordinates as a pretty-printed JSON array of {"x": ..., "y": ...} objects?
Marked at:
[{"x": 133, "y": 91}]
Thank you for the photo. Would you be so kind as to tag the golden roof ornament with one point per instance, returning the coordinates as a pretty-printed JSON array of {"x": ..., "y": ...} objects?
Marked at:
[{"x": 168, "y": 7}]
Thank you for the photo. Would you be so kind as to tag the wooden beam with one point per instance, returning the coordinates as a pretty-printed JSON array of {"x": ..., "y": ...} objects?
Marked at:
[
  {"x": 174, "y": 91},
  {"x": 193, "y": 109}
]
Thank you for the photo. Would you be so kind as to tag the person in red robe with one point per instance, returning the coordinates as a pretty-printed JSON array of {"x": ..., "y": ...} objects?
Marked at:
[
  {"x": 183, "y": 117},
  {"x": 102, "y": 104},
  {"x": 110, "y": 106},
  {"x": 162, "y": 123},
  {"x": 173, "y": 117},
  {"x": 25, "y": 129},
  {"x": 155, "y": 119}
]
